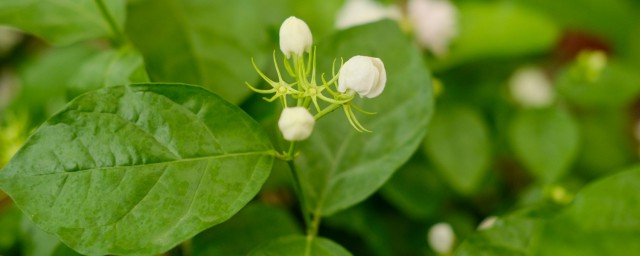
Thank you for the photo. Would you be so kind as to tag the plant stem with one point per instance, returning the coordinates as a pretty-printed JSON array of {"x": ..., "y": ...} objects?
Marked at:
[
  {"x": 119, "y": 37},
  {"x": 327, "y": 110},
  {"x": 297, "y": 187}
]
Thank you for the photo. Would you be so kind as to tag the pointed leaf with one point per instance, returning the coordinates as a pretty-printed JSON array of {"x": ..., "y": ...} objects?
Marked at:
[
  {"x": 459, "y": 145},
  {"x": 138, "y": 169},
  {"x": 545, "y": 141}
]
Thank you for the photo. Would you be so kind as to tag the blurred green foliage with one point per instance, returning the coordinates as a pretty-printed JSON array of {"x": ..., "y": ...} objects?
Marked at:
[{"x": 560, "y": 178}]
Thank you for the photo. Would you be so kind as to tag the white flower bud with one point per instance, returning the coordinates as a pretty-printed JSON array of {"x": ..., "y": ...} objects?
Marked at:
[
  {"x": 441, "y": 238},
  {"x": 435, "y": 23},
  {"x": 295, "y": 37},
  {"x": 296, "y": 123},
  {"x": 358, "y": 12},
  {"x": 530, "y": 87},
  {"x": 364, "y": 75},
  {"x": 487, "y": 223}
]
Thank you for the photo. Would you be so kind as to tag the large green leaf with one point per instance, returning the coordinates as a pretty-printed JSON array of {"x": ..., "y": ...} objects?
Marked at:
[
  {"x": 340, "y": 166},
  {"x": 254, "y": 225},
  {"x": 62, "y": 22},
  {"x": 209, "y": 43},
  {"x": 545, "y": 141},
  {"x": 499, "y": 29},
  {"x": 297, "y": 246},
  {"x": 113, "y": 67},
  {"x": 458, "y": 144},
  {"x": 138, "y": 169},
  {"x": 604, "y": 219}
]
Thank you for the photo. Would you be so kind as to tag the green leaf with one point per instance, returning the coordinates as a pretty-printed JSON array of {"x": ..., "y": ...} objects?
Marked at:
[
  {"x": 113, "y": 67},
  {"x": 604, "y": 219},
  {"x": 61, "y": 22},
  {"x": 499, "y": 29},
  {"x": 44, "y": 81},
  {"x": 297, "y": 245},
  {"x": 545, "y": 141},
  {"x": 507, "y": 237},
  {"x": 138, "y": 169},
  {"x": 416, "y": 190},
  {"x": 209, "y": 43},
  {"x": 605, "y": 142},
  {"x": 459, "y": 146},
  {"x": 254, "y": 225},
  {"x": 340, "y": 166}
]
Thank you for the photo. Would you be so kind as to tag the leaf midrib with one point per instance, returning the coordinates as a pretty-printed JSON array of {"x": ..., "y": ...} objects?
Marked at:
[{"x": 183, "y": 160}]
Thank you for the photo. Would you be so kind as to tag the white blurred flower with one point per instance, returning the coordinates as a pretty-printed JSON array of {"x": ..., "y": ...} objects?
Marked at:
[
  {"x": 8, "y": 87},
  {"x": 364, "y": 75},
  {"x": 487, "y": 223},
  {"x": 9, "y": 38},
  {"x": 636, "y": 131},
  {"x": 530, "y": 87},
  {"x": 358, "y": 12},
  {"x": 295, "y": 37},
  {"x": 441, "y": 238},
  {"x": 296, "y": 123},
  {"x": 435, "y": 23}
]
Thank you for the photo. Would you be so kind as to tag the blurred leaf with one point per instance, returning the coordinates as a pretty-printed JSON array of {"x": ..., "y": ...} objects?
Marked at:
[
  {"x": 252, "y": 226},
  {"x": 365, "y": 222},
  {"x": 61, "y": 22},
  {"x": 161, "y": 162},
  {"x": 610, "y": 19},
  {"x": 416, "y": 190},
  {"x": 617, "y": 86},
  {"x": 109, "y": 68},
  {"x": 9, "y": 226},
  {"x": 545, "y": 141},
  {"x": 320, "y": 15},
  {"x": 340, "y": 166},
  {"x": 36, "y": 242},
  {"x": 458, "y": 144},
  {"x": 604, "y": 219},
  {"x": 605, "y": 142},
  {"x": 209, "y": 43},
  {"x": 44, "y": 80},
  {"x": 296, "y": 245},
  {"x": 510, "y": 236},
  {"x": 499, "y": 29}
]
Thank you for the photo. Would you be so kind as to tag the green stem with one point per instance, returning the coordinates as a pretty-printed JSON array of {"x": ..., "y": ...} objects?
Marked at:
[
  {"x": 327, "y": 110},
  {"x": 297, "y": 187},
  {"x": 119, "y": 39}
]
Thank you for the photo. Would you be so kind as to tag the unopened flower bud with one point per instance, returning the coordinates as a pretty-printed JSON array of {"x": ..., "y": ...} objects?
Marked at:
[
  {"x": 364, "y": 75},
  {"x": 359, "y": 12},
  {"x": 487, "y": 223},
  {"x": 441, "y": 238},
  {"x": 295, "y": 37},
  {"x": 530, "y": 87},
  {"x": 435, "y": 23},
  {"x": 296, "y": 123}
]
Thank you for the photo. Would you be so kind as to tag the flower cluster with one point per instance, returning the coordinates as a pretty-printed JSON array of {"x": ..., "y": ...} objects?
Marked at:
[{"x": 361, "y": 75}]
